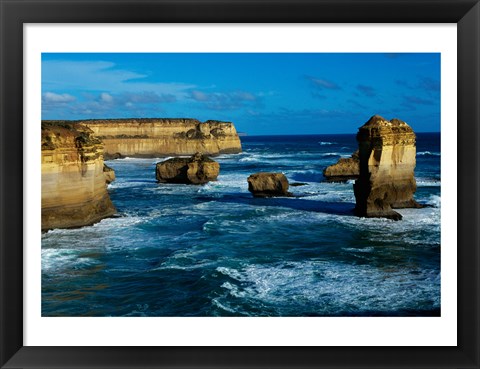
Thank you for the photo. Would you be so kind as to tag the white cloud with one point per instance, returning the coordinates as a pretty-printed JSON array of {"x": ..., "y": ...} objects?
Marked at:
[
  {"x": 224, "y": 100},
  {"x": 51, "y": 97},
  {"x": 199, "y": 96},
  {"x": 96, "y": 76},
  {"x": 323, "y": 83},
  {"x": 107, "y": 98}
]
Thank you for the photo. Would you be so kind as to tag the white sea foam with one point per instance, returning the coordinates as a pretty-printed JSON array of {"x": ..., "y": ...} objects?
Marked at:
[
  {"x": 60, "y": 261},
  {"x": 218, "y": 304},
  {"x": 428, "y": 153},
  {"x": 435, "y": 201},
  {"x": 186, "y": 265},
  {"x": 350, "y": 287},
  {"x": 129, "y": 184},
  {"x": 328, "y": 154},
  {"x": 269, "y": 158},
  {"x": 306, "y": 175},
  {"x": 234, "y": 290},
  {"x": 130, "y": 160},
  {"x": 427, "y": 182},
  {"x": 249, "y": 159},
  {"x": 355, "y": 250},
  {"x": 139, "y": 310}
]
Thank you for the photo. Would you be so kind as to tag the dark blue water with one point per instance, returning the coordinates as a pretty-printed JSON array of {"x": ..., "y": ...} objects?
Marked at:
[{"x": 213, "y": 250}]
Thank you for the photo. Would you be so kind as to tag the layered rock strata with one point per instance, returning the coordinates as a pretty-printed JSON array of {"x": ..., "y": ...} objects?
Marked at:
[
  {"x": 109, "y": 174},
  {"x": 74, "y": 191},
  {"x": 266, "y": 184},
  {"x": 387, "y": 162},
  {"x": 198, "y": 169},
  {"x": 164, "y": 137},
  {"x": 344, "y": 169}
]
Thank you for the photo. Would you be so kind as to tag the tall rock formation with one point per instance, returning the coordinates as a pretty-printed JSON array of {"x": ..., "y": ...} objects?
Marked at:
[
  {"x": 387, "y": 162},
  {"x": 74, "y": 191},
  {"x": 158, "y": 137}
]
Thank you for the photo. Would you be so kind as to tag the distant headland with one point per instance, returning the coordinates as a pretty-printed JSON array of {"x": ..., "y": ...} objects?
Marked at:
[{"x": 157, "y": 137}]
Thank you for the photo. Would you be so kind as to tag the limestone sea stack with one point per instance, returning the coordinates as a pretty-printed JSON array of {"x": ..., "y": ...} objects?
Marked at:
[
  {"x": 74, "y": 192},
  {"x": 387, "y": 162},
  {"x": 344, "y": 169},
  {"x": 157, "y": 137},
  {"x": 266, "y": 184},
  {"x": 198, "y": 169}
]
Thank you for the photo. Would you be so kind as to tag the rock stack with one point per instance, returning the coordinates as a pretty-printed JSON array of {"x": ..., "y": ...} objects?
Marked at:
[
  {"x": 198, "y": 169},
  {"x": 387, "y": 162},
  {"x": 344, "y": 169},
  {"x": 265, "y": 184}
]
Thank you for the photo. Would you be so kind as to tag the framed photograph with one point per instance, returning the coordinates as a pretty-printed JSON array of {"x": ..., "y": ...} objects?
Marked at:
[{"x": 228, "y": 184}]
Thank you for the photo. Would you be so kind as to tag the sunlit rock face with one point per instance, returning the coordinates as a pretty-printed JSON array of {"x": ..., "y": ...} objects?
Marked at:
[
  {"x": 74, "y": 191},
  {"x": 109, "y": 174},
  {"x": 198, "y": 169},
  {"x": 344, "y": 169},
  {"x": 387, "y": 162},
  {"x": 267, "y": 184},
  {"x": 164, "y": 137}
]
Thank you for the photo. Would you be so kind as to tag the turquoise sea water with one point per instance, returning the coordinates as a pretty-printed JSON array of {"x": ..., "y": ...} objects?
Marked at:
[{"x": 214, "y": 250}]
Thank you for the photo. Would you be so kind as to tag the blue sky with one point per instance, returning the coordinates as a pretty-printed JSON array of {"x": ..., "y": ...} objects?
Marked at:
[{"x": 286, "y": 93}]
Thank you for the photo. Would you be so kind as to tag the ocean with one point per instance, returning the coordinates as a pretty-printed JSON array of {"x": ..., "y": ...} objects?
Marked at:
[{"x": 214, "y": 250}]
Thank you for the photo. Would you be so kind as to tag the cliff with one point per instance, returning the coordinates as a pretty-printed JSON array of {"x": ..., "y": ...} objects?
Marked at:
[
  {"x": 74, "y": 191},
  {"x": 164, "y": 137},
  {"x": 387, "y": 162}
]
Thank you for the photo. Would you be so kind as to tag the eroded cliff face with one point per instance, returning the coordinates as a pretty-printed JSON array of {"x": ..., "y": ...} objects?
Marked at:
[
  {"x": 74, "y": 191},
  {"x": 387, "y": 162},
  {"x": 164, "y": 137}
]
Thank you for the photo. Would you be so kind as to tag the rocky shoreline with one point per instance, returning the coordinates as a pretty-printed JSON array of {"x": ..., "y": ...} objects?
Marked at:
[{"x": 74, "y": 175}]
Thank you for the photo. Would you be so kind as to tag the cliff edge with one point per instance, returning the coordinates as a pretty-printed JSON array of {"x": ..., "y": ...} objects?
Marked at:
[
  {"x": 74, "y": 191},
  {"x": 387, "y": 162},
  {"x": 157, "y": 137}
]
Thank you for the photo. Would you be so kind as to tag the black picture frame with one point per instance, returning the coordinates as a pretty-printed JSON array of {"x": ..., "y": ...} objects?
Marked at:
[{"x": 15, "y": 13}]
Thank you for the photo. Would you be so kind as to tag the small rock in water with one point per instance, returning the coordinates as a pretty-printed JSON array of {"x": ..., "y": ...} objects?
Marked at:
[
  {"x": 344, "y": 169},
  {"x": 114, "y": 156},
  {"x": 198, "y": 169},
  {"x": 265, "y": 184}
]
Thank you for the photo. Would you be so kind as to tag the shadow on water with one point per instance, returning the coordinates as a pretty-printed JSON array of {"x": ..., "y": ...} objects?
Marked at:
[{"x": 295, "y": 203}]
